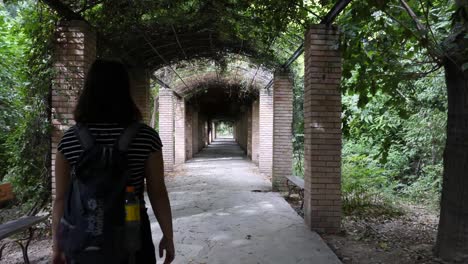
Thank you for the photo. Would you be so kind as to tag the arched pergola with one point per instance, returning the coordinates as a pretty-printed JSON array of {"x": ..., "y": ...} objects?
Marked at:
[{"x": 134, "y": 34}]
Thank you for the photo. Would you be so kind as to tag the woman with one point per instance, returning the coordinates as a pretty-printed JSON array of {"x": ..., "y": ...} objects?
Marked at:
[{"x": 106, "y": 108}]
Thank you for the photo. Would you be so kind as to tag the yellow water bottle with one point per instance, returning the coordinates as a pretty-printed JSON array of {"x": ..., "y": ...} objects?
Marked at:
[{"x": 132, "y": 223}]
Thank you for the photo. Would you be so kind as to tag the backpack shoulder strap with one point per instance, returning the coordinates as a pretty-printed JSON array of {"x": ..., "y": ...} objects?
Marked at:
[
  {"x": 84, "y": 136},
  {"x": 127, "y": 136}
]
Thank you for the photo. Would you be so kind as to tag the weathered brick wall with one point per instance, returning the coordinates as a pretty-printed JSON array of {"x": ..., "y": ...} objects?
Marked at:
[
  {"x": 140, "y": 91},
  {"x": 166, "y": 126},
  {"x": 255, "y": 134},
  {"x": 195, "y": 132},
  {"x": 282, "y": 130},
  {"x": 241, "y": 130},
  {"x": 188, "y": 131},
  {"x": 322, "y": 128},
  {"x": 74, "y": 52},
  {"x": 179, "y": 130},
  {"x": 265, "y": 161}
]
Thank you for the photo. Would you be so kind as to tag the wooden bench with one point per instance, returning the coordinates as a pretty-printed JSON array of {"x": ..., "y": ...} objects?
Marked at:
[
  {"x": 296, "y": 183},
  {"x": 17, "y": 226}
]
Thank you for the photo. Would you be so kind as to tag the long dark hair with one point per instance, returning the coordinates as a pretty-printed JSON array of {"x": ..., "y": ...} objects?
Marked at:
[{"x": 106, "y": 95}]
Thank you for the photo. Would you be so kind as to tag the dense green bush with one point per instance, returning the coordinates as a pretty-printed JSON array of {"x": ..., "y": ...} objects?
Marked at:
[
  {"x": 365, "y": 182},
  {"x": 25, "y": 81}
]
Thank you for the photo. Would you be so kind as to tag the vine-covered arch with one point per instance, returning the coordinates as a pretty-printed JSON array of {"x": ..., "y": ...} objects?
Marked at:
[{"x": 144, "y": 35}]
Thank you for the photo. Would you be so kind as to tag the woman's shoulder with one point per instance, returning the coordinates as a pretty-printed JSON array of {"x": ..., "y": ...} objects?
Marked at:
[
  {"x": 147, "y": 129},
  {"x": 70, "y": 132},
  {"x": 149, "y": 134}
]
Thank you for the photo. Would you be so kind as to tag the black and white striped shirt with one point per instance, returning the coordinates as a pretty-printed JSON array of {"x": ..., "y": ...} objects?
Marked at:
[{"x": 146, "y": 141}]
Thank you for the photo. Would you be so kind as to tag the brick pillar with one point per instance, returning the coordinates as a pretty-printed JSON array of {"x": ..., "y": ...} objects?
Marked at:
[
  {"x": 282, "y": 131},
  {"x": 249, "y": 132},
  {"x": 322, "y": 128},
  {"x": 207, "y": 131},
  {"x": 195, "y": 134},
  {"x": 179, "y": 130},
  {"x": 255, "y": 134},
  {"x": 74, "y": 52},
  {"x": 211, "y": 131},
  {"x": 188, "y": 131},
  {"x": 265, "y": 161},
  {"x": 214, "y": 131},
  {"x": 166, "y": 126},
  {"x": 140, "y": 91},
  {"x": 201, "y": 131},
  {"x": 234, "y": 130}
]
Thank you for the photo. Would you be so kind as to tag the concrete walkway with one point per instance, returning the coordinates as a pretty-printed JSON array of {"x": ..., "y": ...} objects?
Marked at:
[{"x": 220, "y": 217}]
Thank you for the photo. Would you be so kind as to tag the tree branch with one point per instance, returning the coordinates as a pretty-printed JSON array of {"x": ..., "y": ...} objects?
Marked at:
[
  {"x": 63, "y": 10},
  {"x": 422, "y": 29}
]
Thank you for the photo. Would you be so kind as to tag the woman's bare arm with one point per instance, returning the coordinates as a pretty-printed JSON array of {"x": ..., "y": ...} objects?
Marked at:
[{"x": 157, "y": 193}]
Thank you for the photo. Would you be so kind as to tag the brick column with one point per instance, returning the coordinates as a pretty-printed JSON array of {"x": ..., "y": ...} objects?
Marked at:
[
  {"x": 255, "y": 134},
  {"x": 282, "y": 131},
  {"x": 234, "y": 130},
  {"x": 195, "y": 130},
  {"x": 74, "y": 52},
  {"x": 265, "y": 161},
  {"x": 188, "y": 131},
  {"x": 166, "y": 126},
  {"x": 179, "y": 130},
  {"x": 322, "y": 128},
  {"x": 214, "y": 131},
  {"x": 211, "y": 131},
  {"x": 249, "y": 132},
  {"x": 201, "y": 131},
  {"x": 140, "y": 91}
]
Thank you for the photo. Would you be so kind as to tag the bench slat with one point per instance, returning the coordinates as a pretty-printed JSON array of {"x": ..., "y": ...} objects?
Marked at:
[
  {"x": 297, "y": 181},
  {"x": 9, "y": 228}
]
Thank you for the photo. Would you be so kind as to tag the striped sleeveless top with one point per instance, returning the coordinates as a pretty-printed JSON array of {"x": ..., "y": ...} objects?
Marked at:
[{"x": 144, "y": 143}]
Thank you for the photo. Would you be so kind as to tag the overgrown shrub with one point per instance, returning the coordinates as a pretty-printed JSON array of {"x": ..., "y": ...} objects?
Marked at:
[
  {"x": 427, "y": 187},
  {"x": 27, "y": 144},
  {"x": 363, "y": 183}
]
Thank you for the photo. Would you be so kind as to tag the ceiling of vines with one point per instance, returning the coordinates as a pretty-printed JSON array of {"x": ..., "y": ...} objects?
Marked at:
[
  {"x": 189, "y": 77},
  {"x": 192, "y": 44},
  {"x": 158, "y": 33}
]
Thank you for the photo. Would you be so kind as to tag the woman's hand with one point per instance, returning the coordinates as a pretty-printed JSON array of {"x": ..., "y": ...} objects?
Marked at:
[
  {"x": 58, "y": 257},
  {"x": 168, "y": 245}
]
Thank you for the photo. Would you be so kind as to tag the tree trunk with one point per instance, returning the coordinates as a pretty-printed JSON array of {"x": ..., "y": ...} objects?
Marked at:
[{"x": 452, "y": 237}]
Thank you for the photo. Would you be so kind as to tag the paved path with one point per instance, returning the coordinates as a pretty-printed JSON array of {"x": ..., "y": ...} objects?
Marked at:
[{"x": 218, "y": 219}]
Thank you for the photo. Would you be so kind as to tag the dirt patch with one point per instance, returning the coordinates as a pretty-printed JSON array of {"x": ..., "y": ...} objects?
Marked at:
[
  {"x": 403, "y": 239},
  {"x": 39, "y": 252}
]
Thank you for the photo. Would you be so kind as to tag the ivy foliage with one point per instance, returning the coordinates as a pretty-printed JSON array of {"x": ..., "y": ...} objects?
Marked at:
[{"x": 25, "y": 81}]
